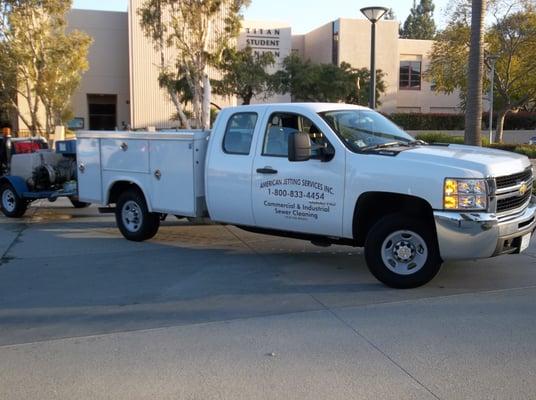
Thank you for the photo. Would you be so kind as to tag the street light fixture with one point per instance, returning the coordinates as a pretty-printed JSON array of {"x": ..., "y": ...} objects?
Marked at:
[
  {"x": 492, "y": 59},
  {"x": 373, "y": 14}
]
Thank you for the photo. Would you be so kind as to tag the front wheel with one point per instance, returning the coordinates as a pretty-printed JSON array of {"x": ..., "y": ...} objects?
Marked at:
[
  {"x": 402, "y": 252},
  {"x": 133, "y": 218},
  {"x": 11, "y": 204}
]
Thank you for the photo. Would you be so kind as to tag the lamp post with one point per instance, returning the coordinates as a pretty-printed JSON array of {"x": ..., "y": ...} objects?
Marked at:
[
  {"x": 492, "y": 59},
  {"x": 373, "y": 14}
]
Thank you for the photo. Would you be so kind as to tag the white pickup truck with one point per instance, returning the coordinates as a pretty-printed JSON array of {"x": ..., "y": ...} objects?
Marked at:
[{"x": 328, "y": 173}]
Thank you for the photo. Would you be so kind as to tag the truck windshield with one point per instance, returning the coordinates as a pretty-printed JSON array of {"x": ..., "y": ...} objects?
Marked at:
[{"x": 365, "y": 129}]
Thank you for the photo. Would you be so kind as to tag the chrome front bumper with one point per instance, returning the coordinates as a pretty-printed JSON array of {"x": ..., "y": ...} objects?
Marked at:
[{"x": 464, "y": 236}]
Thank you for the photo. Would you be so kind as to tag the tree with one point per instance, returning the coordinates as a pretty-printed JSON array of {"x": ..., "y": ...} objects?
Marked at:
[
  {"x": 66, "y": 58},
  {"x": 360, "y": 89},
  {"x": 420, "y": 22},
  {"x": 473, "y": 112},
  {"x": 513, "y": 40},
  {"x": 197, "y": 32},
  {"x": 41, "y": 64},
  {"x": 306, "y": 81},
  {"x": 390, "y": 15},
  {"x": 244, "y": 74},
  {"x": 512, "y": 37}
]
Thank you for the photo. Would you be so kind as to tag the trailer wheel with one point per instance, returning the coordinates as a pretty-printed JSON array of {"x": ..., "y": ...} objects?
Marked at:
[
  {"x": 133, "y": 218},
  {"x": 78, "y": 204},
  {"x": 11, "y": 204},
  {"x": 402, "y": 252}
]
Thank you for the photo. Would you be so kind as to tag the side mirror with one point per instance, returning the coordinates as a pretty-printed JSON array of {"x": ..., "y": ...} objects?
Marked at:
[{"x": 299, "y": 146}]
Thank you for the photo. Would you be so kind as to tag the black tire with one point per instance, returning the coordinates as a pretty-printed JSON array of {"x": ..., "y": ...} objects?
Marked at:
[
  {"x": 11, "y": 204},
  {"x": 78, "y": 204},
  {"x": 413, "y": 246},
  {"x": 144, "y": 224}
]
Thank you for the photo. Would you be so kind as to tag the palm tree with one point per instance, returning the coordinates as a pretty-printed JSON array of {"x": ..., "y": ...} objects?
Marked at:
[{"x": 473, "y": 110}]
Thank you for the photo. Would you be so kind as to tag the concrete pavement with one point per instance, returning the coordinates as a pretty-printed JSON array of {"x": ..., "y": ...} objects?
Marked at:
[{"x": 213, "y": 312}]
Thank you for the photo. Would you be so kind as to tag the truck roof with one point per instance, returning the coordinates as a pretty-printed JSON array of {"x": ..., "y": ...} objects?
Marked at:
[{"x": 315, "y": 107}]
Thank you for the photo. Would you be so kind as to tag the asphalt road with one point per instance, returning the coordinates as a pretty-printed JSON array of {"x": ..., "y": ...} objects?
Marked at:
[{"x": 212, "y": 312}]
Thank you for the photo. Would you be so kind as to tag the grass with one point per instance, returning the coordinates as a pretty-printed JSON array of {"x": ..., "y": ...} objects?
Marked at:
[{"x": 525, "y": 149}]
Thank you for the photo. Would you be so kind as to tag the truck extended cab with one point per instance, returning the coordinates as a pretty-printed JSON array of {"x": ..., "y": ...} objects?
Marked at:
[{"x": 328, "y": 173}]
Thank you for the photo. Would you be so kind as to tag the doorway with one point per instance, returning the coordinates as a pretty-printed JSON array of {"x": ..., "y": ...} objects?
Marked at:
[{"x": 102, "y": 112}]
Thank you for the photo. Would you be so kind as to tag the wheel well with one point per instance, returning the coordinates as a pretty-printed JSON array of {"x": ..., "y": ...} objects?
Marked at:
[
  {"x": 372, "y": 206},
  {"x": 120, "y": 187}
]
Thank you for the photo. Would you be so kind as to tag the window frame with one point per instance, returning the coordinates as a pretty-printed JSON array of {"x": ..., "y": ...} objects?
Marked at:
[
  {"x": 409, "y": 80},
  {"x": 315, "y": 157},
  {"x": 227, "y": 131}
]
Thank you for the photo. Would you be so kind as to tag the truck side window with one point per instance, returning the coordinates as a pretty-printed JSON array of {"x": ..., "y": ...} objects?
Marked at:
[
  {"x": 239, "y": 133},
  {"x": 281, "y": 125}
]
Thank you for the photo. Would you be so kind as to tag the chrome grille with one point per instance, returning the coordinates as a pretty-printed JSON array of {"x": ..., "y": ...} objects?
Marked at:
[
  {"x": 512, "y": 203},
  {"x": 513, "y": 192},
  {"x": 512, "y": 180}
]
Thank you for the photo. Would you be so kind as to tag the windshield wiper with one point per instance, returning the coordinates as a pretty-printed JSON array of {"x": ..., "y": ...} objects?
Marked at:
[{"x": 392, "y": 144}]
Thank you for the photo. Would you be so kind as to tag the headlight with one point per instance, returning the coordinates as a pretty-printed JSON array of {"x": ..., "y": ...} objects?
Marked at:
[{"x": 465, "y": 194}]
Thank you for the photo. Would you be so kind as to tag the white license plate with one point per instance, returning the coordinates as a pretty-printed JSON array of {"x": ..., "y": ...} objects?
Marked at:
[{"x": 525, "y": 241}]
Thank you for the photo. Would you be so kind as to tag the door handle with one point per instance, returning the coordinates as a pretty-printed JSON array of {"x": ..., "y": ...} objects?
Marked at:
[
  {"x": 267, "y": 170},
  {"x": 157, "y": 174},
  {"x": 124, "y": 146},
  {"x": 82, "y": 167}
]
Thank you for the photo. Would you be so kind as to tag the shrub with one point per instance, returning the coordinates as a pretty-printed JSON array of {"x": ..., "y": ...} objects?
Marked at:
[
  {"x": 514, "y": 121},
  {"x": 438, "y": 137},
  {"x": 528, "y": 150},
  {"x": 456, "y": 122},
  {"x": 432, "y": 122}
]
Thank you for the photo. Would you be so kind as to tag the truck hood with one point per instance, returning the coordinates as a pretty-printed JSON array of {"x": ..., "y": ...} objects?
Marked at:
[{"x": 486, "y": 161}]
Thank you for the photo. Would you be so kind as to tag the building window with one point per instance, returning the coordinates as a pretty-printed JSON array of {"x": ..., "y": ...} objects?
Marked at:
[{"x": 410, "y": 75}]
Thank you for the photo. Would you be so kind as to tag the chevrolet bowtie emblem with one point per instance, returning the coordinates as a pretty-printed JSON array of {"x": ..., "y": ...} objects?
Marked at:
[{"x": 523, "y": 189}]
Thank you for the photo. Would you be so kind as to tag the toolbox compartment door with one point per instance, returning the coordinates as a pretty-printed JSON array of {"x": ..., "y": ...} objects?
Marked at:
[{"x": 89, "y": 170}]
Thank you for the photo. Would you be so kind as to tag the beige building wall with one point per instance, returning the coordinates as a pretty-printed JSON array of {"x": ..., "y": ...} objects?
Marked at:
[
  {"x": 108, "y": 61},
  {"x": 298, "y": 45},
  {"x": 150, "y": 105},
  {"x": 354, "y": 48},
  {"x": 425, "y": 100},
  {"x": 317, "y": 44},
  {"x": 268, "y": 36}
]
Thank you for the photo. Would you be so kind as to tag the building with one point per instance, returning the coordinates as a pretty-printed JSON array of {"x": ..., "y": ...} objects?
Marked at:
[
  {"x": 402, "y": 60},
  {"x": 121, "y": 88}
]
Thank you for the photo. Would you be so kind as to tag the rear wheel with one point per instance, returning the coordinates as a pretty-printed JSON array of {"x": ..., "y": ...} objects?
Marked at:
[
  {"x": 11, "y": 204},
  {"x": 133, "y": 218},
  {"x": 402, "y": 252}
]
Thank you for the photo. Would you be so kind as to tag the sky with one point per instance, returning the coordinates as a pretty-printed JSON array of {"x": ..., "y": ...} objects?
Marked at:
[{"x": 302, "y": 15}]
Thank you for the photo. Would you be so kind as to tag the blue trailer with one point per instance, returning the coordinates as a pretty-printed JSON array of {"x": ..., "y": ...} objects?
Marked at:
[{"x": 30, "y": 171}]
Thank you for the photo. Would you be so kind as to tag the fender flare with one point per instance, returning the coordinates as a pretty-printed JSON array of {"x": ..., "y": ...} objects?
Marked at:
[
  {"x": 132, "y": 182},
  {"x": 17, "y": 183}
]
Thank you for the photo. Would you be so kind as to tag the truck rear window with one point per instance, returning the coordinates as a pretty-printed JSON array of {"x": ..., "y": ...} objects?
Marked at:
[{"x": 239, "y": 133}]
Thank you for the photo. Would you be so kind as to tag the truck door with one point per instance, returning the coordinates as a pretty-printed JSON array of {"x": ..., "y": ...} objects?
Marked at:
[
  {"x": 304, "y": 197},
  {"x": 229, "y": 166}
]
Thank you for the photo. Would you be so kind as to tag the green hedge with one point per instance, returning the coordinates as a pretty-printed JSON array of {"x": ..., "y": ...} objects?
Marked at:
[
  {"x": 432, "y": 122},
  {"x": 434, "y": 137},
  {"x": 514, "y": 121},
  {"x": 528, "y": 150},
  {"x": 456, "y": 122},
  {"x": 525, "y": 149}
]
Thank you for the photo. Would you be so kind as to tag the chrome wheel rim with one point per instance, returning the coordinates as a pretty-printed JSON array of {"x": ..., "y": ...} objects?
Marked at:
[
  {"x": 9, "y": 201},
  {"x": 131, "y": 215},
  {"x": 404, "y": 252}
]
